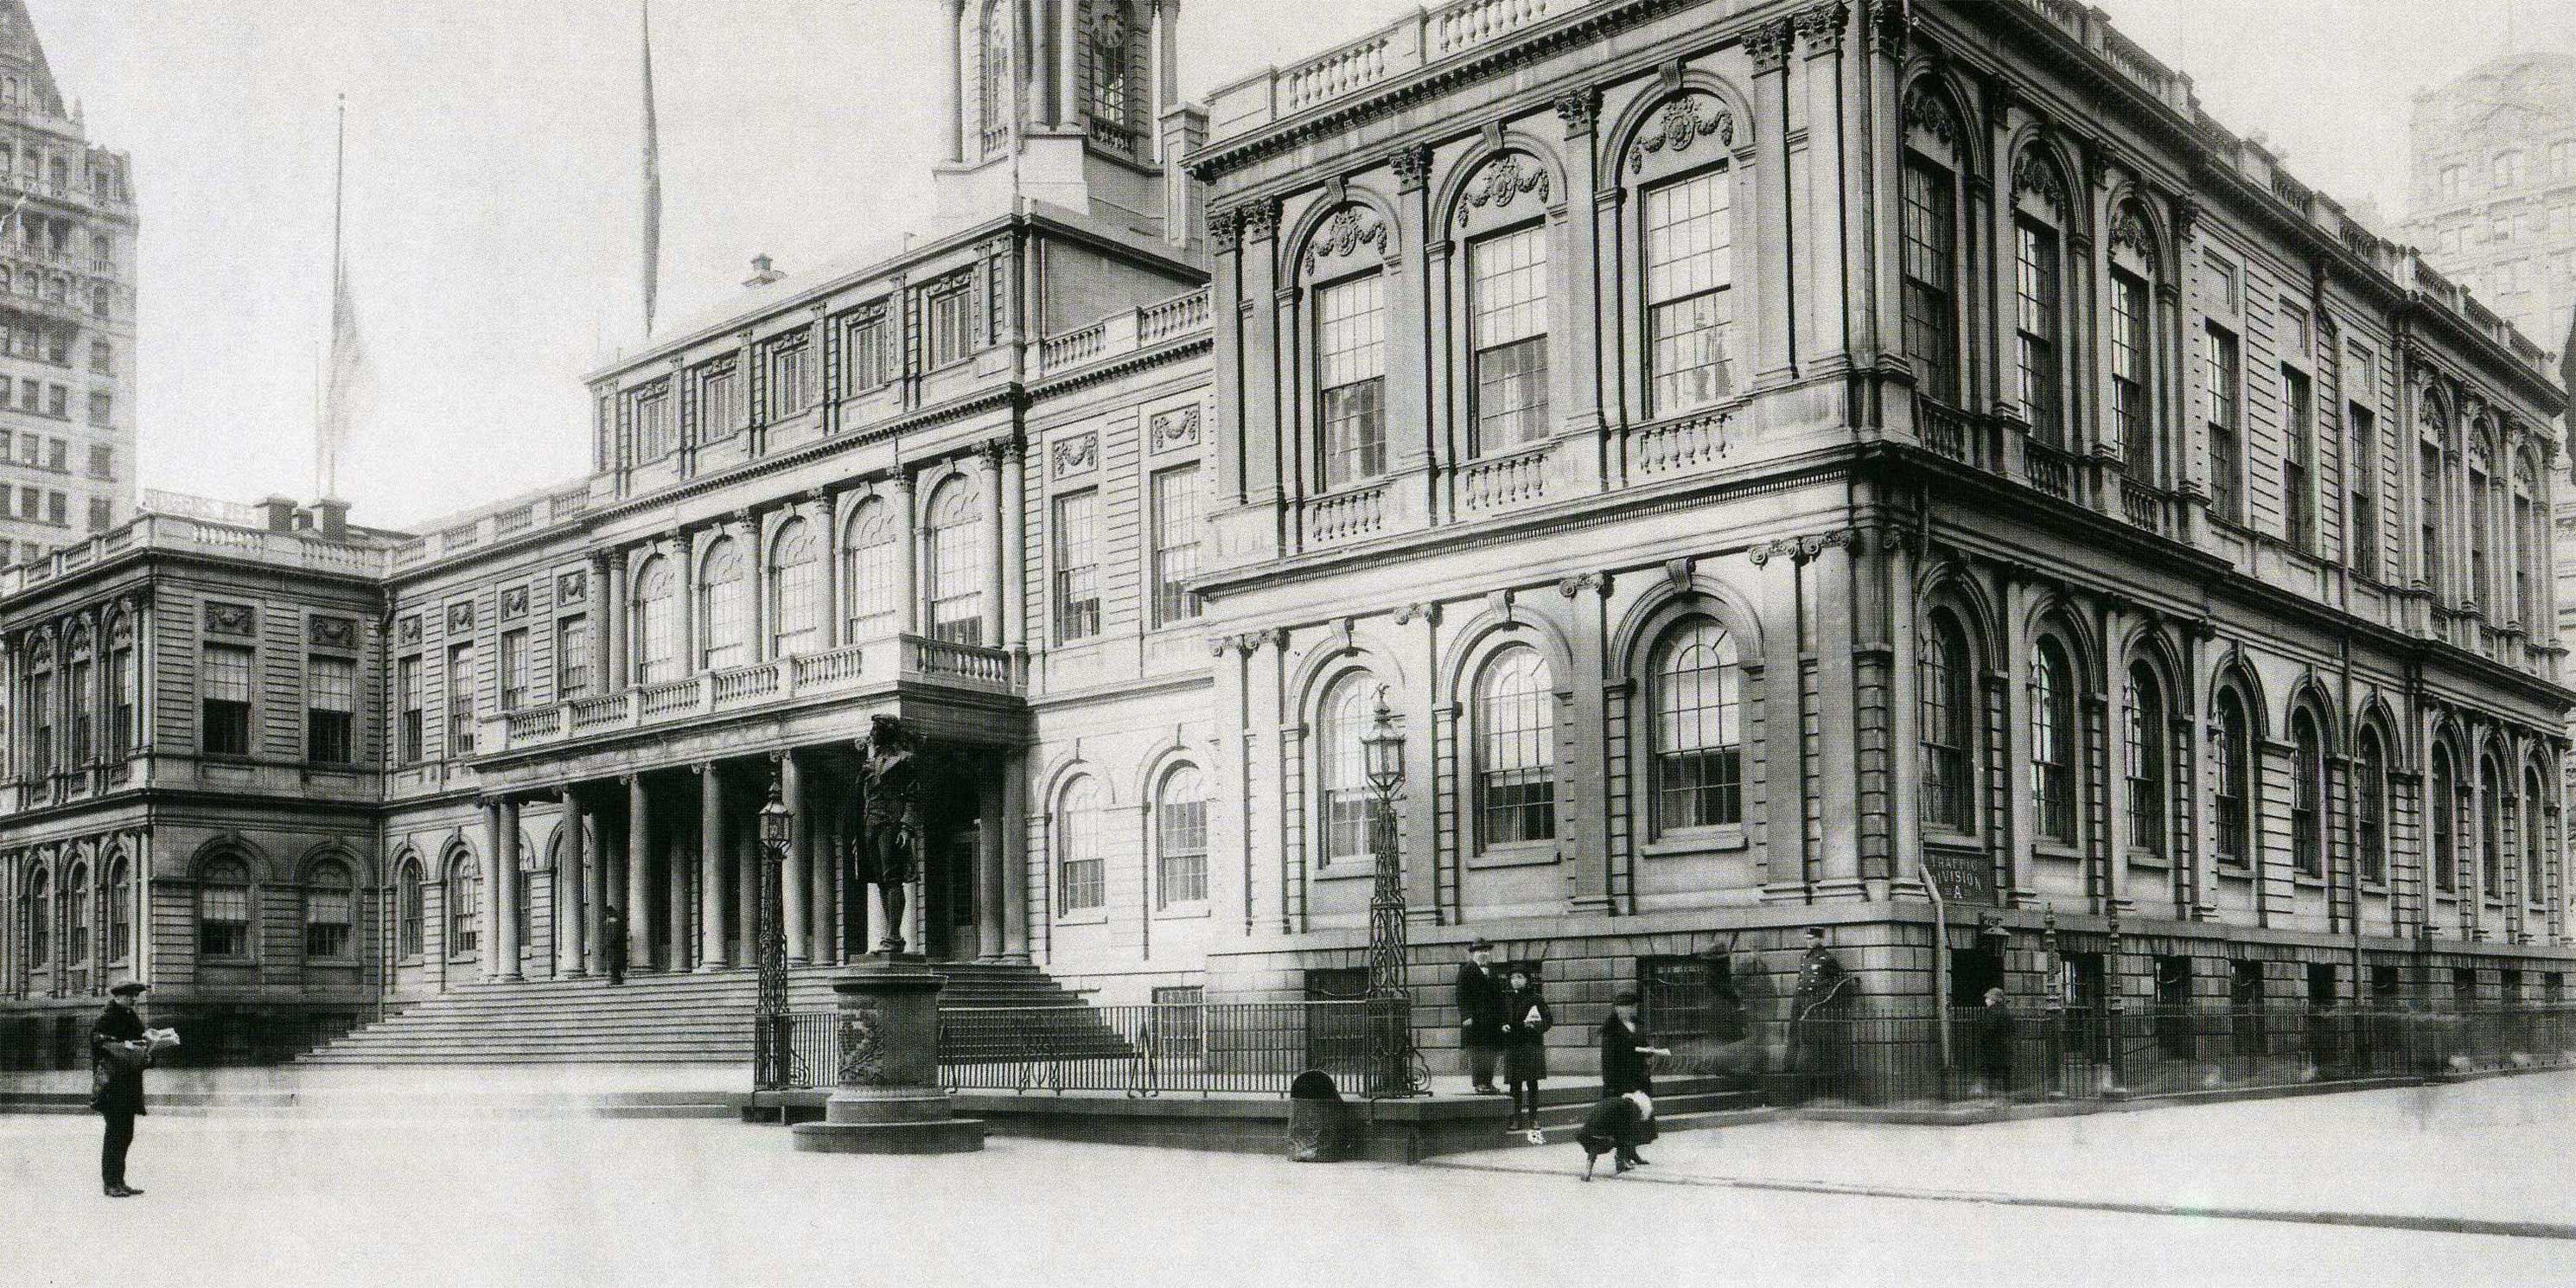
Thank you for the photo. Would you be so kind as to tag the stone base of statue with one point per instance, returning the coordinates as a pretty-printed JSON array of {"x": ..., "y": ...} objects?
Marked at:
[{"x": 889, "y": 1099}]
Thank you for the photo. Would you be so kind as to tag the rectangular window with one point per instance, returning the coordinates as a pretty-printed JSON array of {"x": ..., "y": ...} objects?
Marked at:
[
  {"x": 58, "y": 456},
  {"x": 31, "y": 502},
  {"x": 514, "y": 669},
  {"x": 102, "y": 357},
  {"x": 2298, "y": 461},
  {"x": 864, "y": 349},
  {"x": 2361, "y": 519},
  {"x": 2295, "y": 328},
  {"x": 407, "y": 685},
  {"x": 58, "y": 402},
  {"x": 1077, "y": 568},
  {"x": 1508, "y": 297},
  {"x": 791, "y": 376},
  {"x": 326, "y": 922},
  {"x": 2036, "y": 331},
  {"x": 223, "y": 921},
  {"x": 1930, "y": 265},
  {"x": 58, "y": 509},
  {"x": 1690, "y": 267},
  {"x": 1176, "y": 544},
  {"x": 657, "y": 424},
  {"x": 2222, "y": 283},
  {"x": 1180, "y": 833},
  {"x": 102, "y": 462},
  {"x": 40, "y": 699},
  {"x": 2226, "y": 404},
  {"x": 460, "y": 700},
  {"x": 2455, "y": 180},
  {"x": 719, "y": 403},
  {"x": 2129, "y": 375},
  {"x": 77, "y": 685},
  {"x": 223, "y": 675},
  {"x": 330, "y": 710},
  {"x": 949, "y": 310},
  {"x": 1350, "y": 348},
  {"x": 2428, "y": 483},
  {"x": 98, "y": 517},
  {"x": 120, "y": 703},
  {"x": 102, "y": 405},
  {"x": 572, "y": 658}
]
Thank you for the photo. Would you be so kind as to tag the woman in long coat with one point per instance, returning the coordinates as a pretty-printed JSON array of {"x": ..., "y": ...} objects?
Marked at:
[{"x": 1526, "y": 1021}]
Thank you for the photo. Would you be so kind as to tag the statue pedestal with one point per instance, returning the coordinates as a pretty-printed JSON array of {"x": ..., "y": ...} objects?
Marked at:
[{"x": 889, "y": 1099}]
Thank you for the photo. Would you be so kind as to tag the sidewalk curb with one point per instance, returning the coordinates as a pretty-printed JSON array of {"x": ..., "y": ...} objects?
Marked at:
[{"x": 2382, "y": 1221}]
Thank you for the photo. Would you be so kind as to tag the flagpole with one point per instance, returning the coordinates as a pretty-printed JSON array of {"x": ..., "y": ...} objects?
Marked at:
[
  {"x": 652, "y": 194},
  {"x": 326, "y": 466}
]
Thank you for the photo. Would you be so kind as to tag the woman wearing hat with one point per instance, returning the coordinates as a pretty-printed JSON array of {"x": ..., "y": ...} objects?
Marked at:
[
  {"x": 1525, "y": 1024},
  {"x": 118, "y": 1052}
]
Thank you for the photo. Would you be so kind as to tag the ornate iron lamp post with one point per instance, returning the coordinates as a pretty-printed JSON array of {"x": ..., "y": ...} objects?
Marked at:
[
  {"x": 773, "y": 1057},
  {"x": 1395, "y": 1067}
]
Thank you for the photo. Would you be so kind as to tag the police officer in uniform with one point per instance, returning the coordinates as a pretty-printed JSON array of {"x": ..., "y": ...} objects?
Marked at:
[
  {"x": 1816, "y": 1032},
  {"x": 118, "y": 1053}
]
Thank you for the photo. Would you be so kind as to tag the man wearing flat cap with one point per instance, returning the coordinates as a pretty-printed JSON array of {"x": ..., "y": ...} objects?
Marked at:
[
  {"x": 1480, "y": 1016},
  {"x": 118, "y": 1053}
]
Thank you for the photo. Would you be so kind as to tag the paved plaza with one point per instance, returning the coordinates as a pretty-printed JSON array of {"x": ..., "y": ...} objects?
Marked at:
[{"x": 319, "y": 1198}]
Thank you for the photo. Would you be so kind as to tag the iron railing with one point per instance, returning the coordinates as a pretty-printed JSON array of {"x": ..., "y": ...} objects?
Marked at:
[
  {"x": 1234, "y": 1048},
  {"x": 210, "y": 1037}
]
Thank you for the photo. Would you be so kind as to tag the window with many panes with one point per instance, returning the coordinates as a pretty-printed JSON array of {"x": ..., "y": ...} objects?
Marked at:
[
  {"x": 719, "y": 401},
  {"x": 724, "y": 607},
  {"x": 409, "y": 909},
  {"x": 2299, "y": 461},
  {"x": 2479, "y": 591},
  {"x": 1176, "y": 543},
  {"x": 1080, "y": 882},
  {"x": 460, "y": 700},
  {"x": 2052, "y": 740},
  {"x": 224, "y": 689},
  {"x": 572, "y": 657},
  {"x": 223, "y": 910},
  {"x": 329, "y": 909},
  {"x": 2234, "y": 761},
  {"x": 2490, "y": 827},
  {"x": 1076, "y": 559},
  {"x": 1929, "y": 262},
  {"x": 1507, "y": 295},
  {"x": 2535, "y": 840},
  {"x": 2307, "y": 796},
  {"x": 1515, "y": 784},
  {"x": 1350, "y": 348},
  {"x": 515, "y": 670},
  {"x": 795, "y": 589},
  {"x": 1949, "y": 726},
  {"x": 1689, "y": 239},
  {"x": 2428, "y": 489},
  {"x": 2362, "y": 515},
  {"x": 1696, "y": 700},
  {"x": 657, "y": 621},
  {"x": 2035, "y": 331},
  {"x": 2226, "y": 383},
  {"x": 948, "y": 308},
  {"x": 2130, "y": 357},
  {"x": 2370, "y": 807},
  {"x": 123, "y": 683},
  {"x": 330, "y": 709},
  {"x": 1180, "y": 838},
  {"x": 956, "y": 556},
  {"x": 1341, "y": 768},
  {"x": 120, "y": 910},
  {"x": 868, "y": 571},
  {"x": 464, "y": 906},
  {"x": 791, "y": 375},
  {"x": 2443, "y": 807},
  {"x": 408, "y": 688},
  {"x": 657, "y": 422},
  {"x": 2146, "y": 760},
  {"x": 867, "y": 348}
]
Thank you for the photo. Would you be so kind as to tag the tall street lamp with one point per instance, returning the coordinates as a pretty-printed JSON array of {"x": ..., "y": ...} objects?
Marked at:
[
  {"x": 773, "y": 1056},
  {"x": 1395, "y": 1067}
]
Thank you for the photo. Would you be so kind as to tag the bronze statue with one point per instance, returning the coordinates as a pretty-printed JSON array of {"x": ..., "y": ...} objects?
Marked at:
[{"x": 888, "y": 849}]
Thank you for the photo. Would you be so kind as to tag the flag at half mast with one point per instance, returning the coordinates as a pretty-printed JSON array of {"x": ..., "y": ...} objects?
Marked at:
[
  {"x": 346, "y": 390},
  {"x": 652, "y": 181}
]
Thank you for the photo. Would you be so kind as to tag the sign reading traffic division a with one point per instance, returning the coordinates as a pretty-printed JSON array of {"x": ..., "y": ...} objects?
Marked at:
[{"x": 1964, "y": 876}]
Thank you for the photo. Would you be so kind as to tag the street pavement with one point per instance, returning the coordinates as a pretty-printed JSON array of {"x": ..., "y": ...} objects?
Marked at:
[{"x": 312, "y": 1199}]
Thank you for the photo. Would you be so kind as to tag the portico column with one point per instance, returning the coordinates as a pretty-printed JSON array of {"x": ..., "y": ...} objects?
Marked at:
[
  {"x": 988, "y": 489},
  {"x": 639, "y": 878},
  {"x": 1015, "y": 856},
  {"x": 714, "y": 951},
  {"x": 799, "y": 859},
  {"x": 612, "y": 624},
  {"x": 689, "y": 643},
  {"x": 576, "y": 892},
  {"x": 504, "y": 818},
  {"x": 826, "y": 524},
  {"x": 815, "y": 818},
  {"x": 992, "y": 818},
  {"x": 907, "y": 591},
  {"x": 1015, "y": 562}
]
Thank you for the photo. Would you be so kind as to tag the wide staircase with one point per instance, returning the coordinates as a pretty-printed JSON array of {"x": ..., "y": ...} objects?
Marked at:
[{"x": 681, "y": 1019}]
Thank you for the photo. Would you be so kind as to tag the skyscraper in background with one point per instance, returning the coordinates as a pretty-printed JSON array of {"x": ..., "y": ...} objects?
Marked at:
[
  {"x": 2492, "y": 192},
  {"x": 67, "y": 269}
]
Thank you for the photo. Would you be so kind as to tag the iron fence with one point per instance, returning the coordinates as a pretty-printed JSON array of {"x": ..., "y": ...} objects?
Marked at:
[
  {"x": 2088, "y": 1053},
  {"x": 1243, "y": 1048},
  {"x": 210, "y": 1036}
]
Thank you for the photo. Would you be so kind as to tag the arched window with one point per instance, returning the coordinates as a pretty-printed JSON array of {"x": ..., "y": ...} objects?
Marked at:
[
  {"x": 76, "y": 916},
  {"x": 1949, "y": 726},
  {"x": 1689, "y": 240},
  {"x": 869, "y": 571},
  {"x": 2307, "y": 796},
  {"x": 1180, "y": 838},
  {"x": 124, "y": 682},
  {"x": 1341, "y": 769},
  {"x": 2491, "y": 806},
  {"x": 79, "y": 660},
  {"x": 2481, "y": 589},
  {"x": 329, "y": 909},
  {"x": 409, "y": 909},
  {"x": 39, "y": 912},
  {"x": 1080, "y": 884},
  {"x": 2052, "y": 740},
  {"x": 1109, "y": 74},
  {"x": 795, "y": 590},
  {"x": 464, "y": 905},
  {"x": 2444, "y": 806},
  {"x": 1929, "y": 259},
  {"x": 1500, "y": 220},
  {"x": 993, "y": 96},
  {"x": 2132, "y": 333},
  {"x": 2528, "y": 541},
  {"x": 2370, "y": 807},
  {"x": 39, "y": 708},
  {"x": 224, "y": 910},
  {"x": 2432, "y": 486},
  {"x": 2148, "y": 720},
  {"x": 2039, "y": 271},
  {"x": 2233, "y": 759},
  {"x": 956, "y": 565},
  {"x": 724, "y": 606},
  {"x": 1350, "y": 379},
  {"x": 1515, "y": 749},
  {"x": 2535, "y": 840},
  {"x": 120, "y": 909},
  {"x": 1697, "y": 701},
  {"x": 657, "y": 625}
]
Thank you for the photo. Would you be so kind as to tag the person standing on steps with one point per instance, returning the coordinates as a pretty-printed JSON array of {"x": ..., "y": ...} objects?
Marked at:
[
  {"x": 118, "y": 1054},
  {"x": 1624, "y": 1049},
  {"x": 1525, "y": 1024},
  {"x": 1480, "y": 1016},
  {"x": 612, "y": 928}
]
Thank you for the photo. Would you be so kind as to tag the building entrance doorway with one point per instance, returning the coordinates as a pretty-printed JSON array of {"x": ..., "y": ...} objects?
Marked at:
[{"x": 951, "y": 840}]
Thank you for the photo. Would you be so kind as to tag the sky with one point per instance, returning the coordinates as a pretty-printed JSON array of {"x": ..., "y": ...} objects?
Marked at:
[{"x": 493, "y": 160}]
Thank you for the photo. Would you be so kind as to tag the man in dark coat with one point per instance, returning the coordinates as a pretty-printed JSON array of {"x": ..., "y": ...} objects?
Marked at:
[
  {"x": 1993, "y": 1026},
  {"x": 118, "y": 1053},
  {"x": 1624, "y": 1050},
  {"x": 612, "y": 931},
  {"x": 1818, "y": 1017},
  {"x": 1481, "y": 1003}
]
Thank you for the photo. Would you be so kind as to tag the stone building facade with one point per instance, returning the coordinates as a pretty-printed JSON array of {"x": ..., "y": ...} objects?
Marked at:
[
  {"x": 67, "y": 391},
  {"x": 1776, "y": 463}
]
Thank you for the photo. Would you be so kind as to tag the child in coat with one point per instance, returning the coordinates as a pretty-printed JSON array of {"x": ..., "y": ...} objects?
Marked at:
[
  {"x": 1617, "y": 1126},
  {"x": 1526, "y": 1021}
]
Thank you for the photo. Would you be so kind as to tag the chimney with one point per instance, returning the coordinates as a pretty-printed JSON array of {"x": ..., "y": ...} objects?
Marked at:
[
  {"x": 1184, "y": 131},
  {"x": 276, "y": 513},
  {"x": 334, "y": 518},
  {"x": 761, "y": 272}
]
